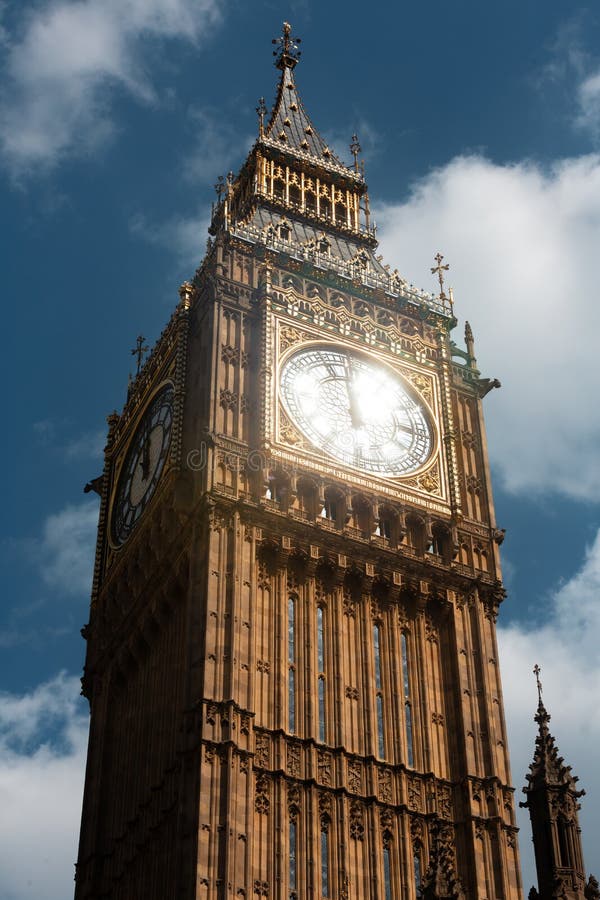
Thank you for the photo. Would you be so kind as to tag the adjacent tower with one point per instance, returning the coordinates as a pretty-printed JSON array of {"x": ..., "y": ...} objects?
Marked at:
[
  {"x": 553, "y": 804},
  {"x": 292, "y": 664}
]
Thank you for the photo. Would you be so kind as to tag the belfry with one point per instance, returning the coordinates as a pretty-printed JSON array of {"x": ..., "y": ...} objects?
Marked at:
[{"x": 291, "y": 660}]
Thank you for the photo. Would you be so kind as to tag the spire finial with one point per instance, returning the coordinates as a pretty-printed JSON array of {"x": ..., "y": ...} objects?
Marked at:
[
  {"x": 440, "y": 269},
  {"x": 261, "y": 109},
  {"x": 355, "y": 149},
  {"x": 139, "y": 351},
  {"x": 536, "y": 672},
  {"x": 288, "y": 53}
]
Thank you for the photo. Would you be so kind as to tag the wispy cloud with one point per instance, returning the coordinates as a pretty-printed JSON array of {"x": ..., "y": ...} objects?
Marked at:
[
  {"x": 66, "y": 549},
  {"x": 66, "y": 62},
  {"x": 214, "y": 147},
  {"x": 184, "y": 237},
  {"x": 589, "y": 103},
  {"x": 43, "y": 737},
  {"x": 566, "y": 648},
  {"x": 52, "y": 433},
  {"x": 526, "y": 237}
]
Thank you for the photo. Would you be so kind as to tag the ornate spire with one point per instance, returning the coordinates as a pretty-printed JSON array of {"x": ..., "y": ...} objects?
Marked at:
[
  {"x": 290, "y": 128},
  {"x": 547, "y": 767},
  {"x": 552, "y": 796}
]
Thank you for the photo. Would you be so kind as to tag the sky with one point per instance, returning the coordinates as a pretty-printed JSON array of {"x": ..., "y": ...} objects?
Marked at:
[{"x": 480, "y": 129}]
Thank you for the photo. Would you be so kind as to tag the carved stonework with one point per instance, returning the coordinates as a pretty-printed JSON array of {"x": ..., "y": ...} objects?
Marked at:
[
  {"x": 386, "y": 824},
  {"x": 228, "y": 399},
  {"x": 293, "y": 758},
  {"x": 293, "y": 801},
  {"x": 384, "y": 782},
  {"x": 324, "y": 767},
  {"x": 262, "y": 749},
  {"x": 413, "y": 787},
  {"x": 262, "y": 801},
  {"x": 325, "y": 808},
  {"x": 357, "y": 822},
  {"x": 354, "y": 776}
]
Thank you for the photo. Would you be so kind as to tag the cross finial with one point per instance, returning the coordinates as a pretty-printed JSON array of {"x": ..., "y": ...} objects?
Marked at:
[
  {"x": 288, "y": 53},
  {"x": 355, "y": 149},
  {"x": 440, "y": 269},
  {"x": 140, "y": 351},
  {"x": 536, "y": 672},
  {"x": 261, "y": 109}
]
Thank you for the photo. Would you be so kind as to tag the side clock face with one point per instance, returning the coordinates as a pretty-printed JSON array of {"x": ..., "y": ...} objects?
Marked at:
[
  {"x": 359, "y": 412},
  {"x": 143, "y": 465}
]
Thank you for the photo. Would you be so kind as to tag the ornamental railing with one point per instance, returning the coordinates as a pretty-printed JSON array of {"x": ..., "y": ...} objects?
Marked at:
[{"x": 353, "y": 269}]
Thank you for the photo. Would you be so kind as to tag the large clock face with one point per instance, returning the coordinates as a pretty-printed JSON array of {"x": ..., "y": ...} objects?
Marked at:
[
  {"x": 359, "y": 412},
  {"x": 143, "y": 465}
]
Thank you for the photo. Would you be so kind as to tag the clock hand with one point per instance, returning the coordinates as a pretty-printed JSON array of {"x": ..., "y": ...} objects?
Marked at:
[{"x": 353, "y": 409}]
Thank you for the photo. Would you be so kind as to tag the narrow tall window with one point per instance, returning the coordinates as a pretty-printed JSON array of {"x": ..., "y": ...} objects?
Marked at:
[
  {"x": 407, "y": 703},
  {"x": 324, "y": 864},
  {"x": 379, "y": 692},
  {"x": 387, "y": 876},
  {"x": 292, "y": 664},
  {"x": 321, "y": 673},
  {"x": 293, "y": 865},
  {"x": 417, "y": 870}
]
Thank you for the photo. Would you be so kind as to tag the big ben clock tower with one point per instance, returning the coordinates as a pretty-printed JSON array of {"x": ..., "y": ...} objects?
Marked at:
[{"x": 292, "y": 664}]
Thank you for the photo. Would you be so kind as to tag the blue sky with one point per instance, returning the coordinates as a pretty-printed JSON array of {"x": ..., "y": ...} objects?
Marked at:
[{"x": 480, "y": 126}]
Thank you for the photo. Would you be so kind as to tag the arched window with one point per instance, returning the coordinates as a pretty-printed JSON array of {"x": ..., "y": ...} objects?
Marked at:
[
  {"x": 324, "y": 861},
  {"x": 378, "y": 691},
  {"x": 325, "y": 207},
  {"x": 294, "y": 195},
  {"x": 293, "y": 860},
  {"x": 387, "y": 874},
  {"x": 292, "y": 663},
  {"x": 417, "y": 870},
  {"x": 408, "y": 723},
  {"x": 321, "y": 672}
]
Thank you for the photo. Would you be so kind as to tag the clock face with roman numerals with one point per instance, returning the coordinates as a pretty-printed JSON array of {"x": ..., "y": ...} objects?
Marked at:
[
  {"x": 143, "y": 464},
  {"x": 357, "y": 411}
]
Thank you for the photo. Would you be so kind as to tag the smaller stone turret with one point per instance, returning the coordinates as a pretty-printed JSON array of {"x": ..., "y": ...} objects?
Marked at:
[{"x": 552, "y": 801}]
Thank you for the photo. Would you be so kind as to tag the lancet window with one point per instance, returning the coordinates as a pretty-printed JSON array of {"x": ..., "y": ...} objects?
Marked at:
[
  {"x": 293, "y": 869},
  {"x": 408, "y": 721},
  {"x": 378, "y": 692},
  {"x": 292, "y": 602},
  {"x": 325, "y": 861},
  {"x": 387, "y": 874},
  {"x": 321, "y": 685}
]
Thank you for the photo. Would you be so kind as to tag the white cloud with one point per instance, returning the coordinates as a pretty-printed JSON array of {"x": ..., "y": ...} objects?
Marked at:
[
  {"x": 184, "y": 237},
  {"x": 522, "y": 243},
  {"x": 588, "y": 97},
  {"x": 567, "y": 648},
  {"x": 87, "y": 446},
  {"x": 64, "y": 66},
  {"x": 215, "y": 146},
  {"x": 43, "y": 737},
  {"x": 66, "y": 549}
]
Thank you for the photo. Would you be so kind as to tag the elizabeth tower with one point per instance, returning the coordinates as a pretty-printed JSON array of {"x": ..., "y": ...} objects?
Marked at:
[{"x": 292, "y": 664}]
